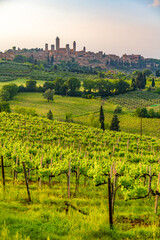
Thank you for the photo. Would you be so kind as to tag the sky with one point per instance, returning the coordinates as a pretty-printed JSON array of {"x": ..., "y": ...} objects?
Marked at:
[{"x": 112, "y": 26}]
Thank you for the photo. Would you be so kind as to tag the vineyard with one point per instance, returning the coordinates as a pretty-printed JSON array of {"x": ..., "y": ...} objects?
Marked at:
[
  {"x": 136, "y": 99},
  {"x": 10, "y": 70},
  {"x": 76, "y": 162}
]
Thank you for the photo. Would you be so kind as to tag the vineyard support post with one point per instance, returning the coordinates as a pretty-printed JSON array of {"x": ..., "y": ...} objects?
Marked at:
[
  {"x": 3, "y": 175},
  {"x": 149, "y": 181},
  {"x": 77, "y": 180},
  {"x": 156, "y": 201},
  {"x": 25, "y": 175},
  {"x": 69, "y": 180},
  {"x": 39, "y": 179},
  {"x": 141, "y": 127},
  {"x": 110, "y": 202}
]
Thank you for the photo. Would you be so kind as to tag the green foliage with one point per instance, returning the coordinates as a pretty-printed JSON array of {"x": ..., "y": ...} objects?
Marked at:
[
  {"x": 48, "y": 85},
  {"x": 88, "y": 85},
  {"x": 25, "y": 111},
  {"x": 5, "y": 107},
  {"x": 140, "y": 80},
  {"x": 153, "y": 83},
  {"x": 147, "y": 72},
  {"x": 49, "y": 94},
  {"x": 121, "y": 87},
  {"x": 104, "y": 87},
  {"x": 136, "y": 99},
  {"x": 50, "y": 115},
  {"x": 31, "y": 86},
  {"x": 4, "y": 95},
  {"x": 69, "y": 117},
  {"x": 118, "y": 109},
  {"x": 115, "y": 123},
  {"x": 101, "y": 118},
  {"x": 59, "y": 86},
  {"x": 141, "y": 112},
  {"x": 11, "y": 88},
  {"x": 73, "y": 84},
  {"x": 20, "y": 59}
]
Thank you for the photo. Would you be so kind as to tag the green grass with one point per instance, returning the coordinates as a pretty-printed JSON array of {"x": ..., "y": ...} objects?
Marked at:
[
  {"x": 128, "y": 123},
  {"x": 21, "y": 81},
  {"x": 45, "y": 217},
  {"x": 60, "y": 106},
  {"x": 85, "y": 111}
]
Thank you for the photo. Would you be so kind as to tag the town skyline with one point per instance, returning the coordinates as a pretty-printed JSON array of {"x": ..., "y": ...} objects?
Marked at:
[
  {"x": 114, "y": 27},
  {"x": 55, "y": 54}
]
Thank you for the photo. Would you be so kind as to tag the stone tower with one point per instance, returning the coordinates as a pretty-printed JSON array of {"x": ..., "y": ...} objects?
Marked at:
[
  {"x": 52, "y": 47},
  {"x": 46, "y": 47},
  {"x": 74, "y": 46},
  {"x": 67, "y": 47},
  {"x": 57, "y": 43}
]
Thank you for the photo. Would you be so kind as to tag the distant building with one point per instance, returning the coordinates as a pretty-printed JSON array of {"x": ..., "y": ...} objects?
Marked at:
[{"x": 83, "y": 58}]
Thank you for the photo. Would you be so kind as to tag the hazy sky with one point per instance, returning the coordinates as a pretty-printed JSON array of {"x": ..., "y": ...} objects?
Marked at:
[{"x": 111, "y": 26}]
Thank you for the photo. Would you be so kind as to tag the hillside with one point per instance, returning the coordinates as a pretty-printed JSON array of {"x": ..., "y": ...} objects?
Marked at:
[{"x": 57, "y": 154}]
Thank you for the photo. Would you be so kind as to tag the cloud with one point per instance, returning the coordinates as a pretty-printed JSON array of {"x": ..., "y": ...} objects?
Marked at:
[{"x": 156, "y": 3}]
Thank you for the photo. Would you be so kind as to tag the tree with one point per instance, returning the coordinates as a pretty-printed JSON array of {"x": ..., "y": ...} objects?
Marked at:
[
  {"x": 147, "y": 72},
  {"x": 158, "y": 73},
  {"x": 73, "y": 84},
  {"x": 4, "y": 95},
  {"x": 121, "y": 87},
  {"x": 48, "y": 85},
  {"x": 49, "y": 94},
  {"x": 20, "y": 59},
  {"x": 101, "y": 118},
  {"x": 133, "y": 84},
  {"x": 140, "y": 81},
  {"x": 104, "y": 87},
  {"x": 101, "y": 74},
  {"x": 11, "y": 88},
  {"x": 141, "y": 112},
  {"x": 58, "y": 85},
  {"x": 50, "y": 115},
  {"x": 153, "y": 83},
  {"x": 5, "y": 107},
  {"x": 88, "y": 85},
  {"x": 115, "y": 123},
  {"x": 31, "y": 86}
]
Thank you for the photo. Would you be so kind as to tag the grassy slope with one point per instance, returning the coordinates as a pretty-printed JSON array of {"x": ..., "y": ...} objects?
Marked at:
[
  {"x": 45, "y": 218},
  {"x": 60, "y": 106},
  {"x": 85, "y": 111}
]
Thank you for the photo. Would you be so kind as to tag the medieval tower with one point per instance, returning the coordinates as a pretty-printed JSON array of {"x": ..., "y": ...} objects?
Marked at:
[{"x": 57, "y": 43}]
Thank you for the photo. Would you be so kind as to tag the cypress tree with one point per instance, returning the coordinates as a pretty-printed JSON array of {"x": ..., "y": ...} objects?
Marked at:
[
  {"x": 153, "y": 83},
  {"x": 115, "y": 123},
  {"x": 50, "y": 115},
  {"x": 101, "y": 118}
]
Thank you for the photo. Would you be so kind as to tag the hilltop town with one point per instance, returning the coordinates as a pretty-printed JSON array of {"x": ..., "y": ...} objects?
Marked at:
[{"x": 56, "y": 54}]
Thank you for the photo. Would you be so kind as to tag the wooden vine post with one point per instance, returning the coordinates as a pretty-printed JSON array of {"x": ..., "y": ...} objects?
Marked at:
[
  {"x": 69, "y": 180},
  {"x": 39, "y": 179},
  {"x": 25, "y": 175},
  {"x": 110, "y": 201},
  {"x": 15, "y": 172},
  {"x": 156, "y": 201},
  {"x": 149, "y": 180},
  {"x": 3, "y": 175}
]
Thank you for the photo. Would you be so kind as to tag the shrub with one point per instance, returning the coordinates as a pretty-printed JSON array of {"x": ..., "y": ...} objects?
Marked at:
[{"x": 118, "y": 109}]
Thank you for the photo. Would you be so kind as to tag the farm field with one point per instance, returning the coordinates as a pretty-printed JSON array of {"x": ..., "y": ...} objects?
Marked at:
[
  {"x": 136, "y": 99},
  {"x": 68, "y": 166},
  {"x": 86, "y": 111},
  {"x": 128, "y": 123},
  {"x": 21, "y": 81},
  {"x": 60, "y": 106}
]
